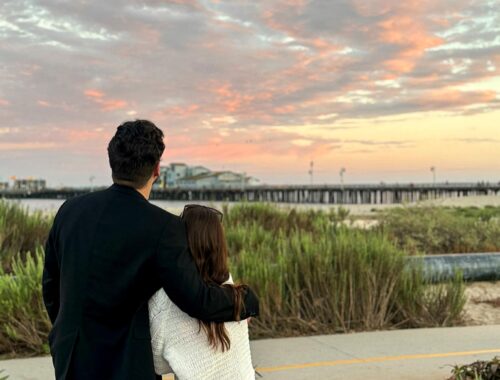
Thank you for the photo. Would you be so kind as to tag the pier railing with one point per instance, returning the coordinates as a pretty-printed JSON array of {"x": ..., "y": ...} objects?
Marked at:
[{"x": 322, "y": 194}]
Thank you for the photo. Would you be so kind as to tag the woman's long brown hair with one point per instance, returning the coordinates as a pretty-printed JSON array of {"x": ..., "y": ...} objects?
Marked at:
[{"x": 207, "y": 243}]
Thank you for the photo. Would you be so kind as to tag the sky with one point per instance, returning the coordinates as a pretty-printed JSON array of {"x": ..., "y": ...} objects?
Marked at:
[{"x": 384, "y": 89}]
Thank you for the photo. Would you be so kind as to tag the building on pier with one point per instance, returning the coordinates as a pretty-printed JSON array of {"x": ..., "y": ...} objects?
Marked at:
[
  {"x": 217, "y": 180},
  {"x": 29, "y": 184},
  {"x": 171, "y": 174},
  {"x": 180, "y": 175}
]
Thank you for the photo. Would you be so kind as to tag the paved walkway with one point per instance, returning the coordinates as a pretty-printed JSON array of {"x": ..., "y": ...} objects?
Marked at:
[{"x": 425, "y": 354}]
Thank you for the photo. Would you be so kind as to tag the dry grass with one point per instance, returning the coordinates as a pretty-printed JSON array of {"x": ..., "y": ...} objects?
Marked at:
[
  {"x": 313, "y": 275},
  {"x": 494, "y": 302},
  {"x": 437, "y": 230}
]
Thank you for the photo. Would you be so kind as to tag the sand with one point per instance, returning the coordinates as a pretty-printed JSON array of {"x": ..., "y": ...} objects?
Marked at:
[
  {"x": 478, "y": 313},
  {"x": 369, "y": 209},
  {"x": 472, "y": 200}
]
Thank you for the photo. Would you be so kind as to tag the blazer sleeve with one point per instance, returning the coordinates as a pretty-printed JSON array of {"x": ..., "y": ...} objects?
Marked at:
[
  {"x": 179, "y": 277},
  {"x": 50, "y": 277}
]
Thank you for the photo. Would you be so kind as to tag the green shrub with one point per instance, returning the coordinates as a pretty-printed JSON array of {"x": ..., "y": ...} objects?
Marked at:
[
  {"x": 289, "y": 220},
  {"x": 313, "y": 275},
  {"x": 479, "y": 370},
  {"x": 24, "y": 324},
  {"x": 420, "y": 304},
  {"x": 332, "y": 278},
  {"x": 433, "y": 229},
  {"x": 20, "y": 231}
]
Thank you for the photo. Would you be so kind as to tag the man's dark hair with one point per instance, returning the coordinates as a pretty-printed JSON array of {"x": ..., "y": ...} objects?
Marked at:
[{"x": 134, "y": 151}]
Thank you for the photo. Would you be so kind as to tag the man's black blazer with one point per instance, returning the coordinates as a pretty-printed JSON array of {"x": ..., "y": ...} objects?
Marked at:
[{"x": 107, "y": 253}]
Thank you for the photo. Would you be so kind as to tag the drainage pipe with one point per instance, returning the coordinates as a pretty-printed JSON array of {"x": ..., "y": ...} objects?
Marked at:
[{"x": 484, "y": 266}]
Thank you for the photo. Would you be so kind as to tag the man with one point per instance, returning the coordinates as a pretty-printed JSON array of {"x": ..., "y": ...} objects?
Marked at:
[{"x": 107, "y": 253}]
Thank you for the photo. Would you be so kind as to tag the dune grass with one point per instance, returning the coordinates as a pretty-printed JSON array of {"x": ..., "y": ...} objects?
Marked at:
[
  {"x": 438, "y": 230},
  {"x": 21, "y": 231},
  {"x": 24, "y": 324},
  {"x": 313, "y": 274}
]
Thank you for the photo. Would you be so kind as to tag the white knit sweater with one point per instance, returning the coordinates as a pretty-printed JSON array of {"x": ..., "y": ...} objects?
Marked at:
[{"x": 179, "y": 345}]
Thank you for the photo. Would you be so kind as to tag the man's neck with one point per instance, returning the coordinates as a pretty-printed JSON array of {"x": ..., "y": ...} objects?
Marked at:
[{"x": 145, "y": 191}]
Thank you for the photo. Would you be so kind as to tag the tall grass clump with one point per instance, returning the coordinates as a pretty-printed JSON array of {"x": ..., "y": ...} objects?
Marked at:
[
  {"x": 21, "y": 231},
  {"x": 437, "y": 229},
  {"x": 24, "y": 324},
  {"x": 313, "y": 275},
  {"x": 329, "y": 278}
]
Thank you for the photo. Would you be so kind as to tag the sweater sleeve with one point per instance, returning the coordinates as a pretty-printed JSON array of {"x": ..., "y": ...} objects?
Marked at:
[
  {"x": 229, "y": 280},
  {"x": 159, "y": 306}
]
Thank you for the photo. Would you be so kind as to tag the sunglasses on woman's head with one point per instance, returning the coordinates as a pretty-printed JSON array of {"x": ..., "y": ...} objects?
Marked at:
[{"x": 191, "y": 206}]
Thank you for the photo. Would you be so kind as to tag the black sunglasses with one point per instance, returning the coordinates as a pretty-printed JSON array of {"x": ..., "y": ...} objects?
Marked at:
[{"x": 191, "y": 206}]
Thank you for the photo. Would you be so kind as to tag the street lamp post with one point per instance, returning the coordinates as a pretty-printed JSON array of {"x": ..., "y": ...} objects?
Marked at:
[
  {"x": 311, "y": 171},
  {"x": 342, "y": 171}
]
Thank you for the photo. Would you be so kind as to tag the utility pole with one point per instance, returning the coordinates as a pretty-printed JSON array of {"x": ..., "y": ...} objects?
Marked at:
[
  {"x": 91, "y": 179},
  {"x": 311, "y": 171}
]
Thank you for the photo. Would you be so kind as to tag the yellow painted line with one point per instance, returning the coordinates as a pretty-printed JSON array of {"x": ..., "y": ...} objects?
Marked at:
[{"x": 374, "y": 360}]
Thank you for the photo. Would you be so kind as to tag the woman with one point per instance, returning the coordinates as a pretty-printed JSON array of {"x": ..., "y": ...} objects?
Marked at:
[{"x": 190, "y": 348}]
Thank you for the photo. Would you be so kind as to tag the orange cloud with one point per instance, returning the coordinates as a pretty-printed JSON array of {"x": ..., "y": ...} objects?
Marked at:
[
  {"x": 411, "y": 35},
  {"x": 106, "y": 104},
  {"x": 94, "y": 94},
  {"x": 231, "y": 100},
  {"x": 456, "y": 98},
  {"x": 43, "y": 103},
  {"x": 27, "y": 145},
  {"x": 111, "y": 105},
  {"x": 182, "y": 111},
  {"x": 285, "y": 109},
  {"x": 86, "y": 135}
]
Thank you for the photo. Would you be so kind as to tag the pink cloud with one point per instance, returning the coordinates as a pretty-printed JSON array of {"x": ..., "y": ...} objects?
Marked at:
[
  {"x": 231, "y": 100},
  {"x": 28, "y": 146},
  {"x": 43, "y": 103},
  {"x": 411, "y": 36},
  {"x": 182, "y": 111},
  {"x": 456, "y": 98},
  {"x": 113, "y": 104},
  {"x": 94, "y": 94},
  {"x": 78, "y": 136},
  {"x": 105, "y": 104},
  {"x": 285, "y": 109}
]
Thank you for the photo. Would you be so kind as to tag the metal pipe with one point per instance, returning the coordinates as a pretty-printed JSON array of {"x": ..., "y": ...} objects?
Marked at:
[{"x": 474, "y": 266}]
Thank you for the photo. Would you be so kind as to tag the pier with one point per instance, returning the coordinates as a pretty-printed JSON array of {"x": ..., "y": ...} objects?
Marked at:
[{"x": 318, "y": 194}]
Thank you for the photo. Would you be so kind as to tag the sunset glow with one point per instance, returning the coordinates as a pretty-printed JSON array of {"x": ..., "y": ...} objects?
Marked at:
[{"x": 386, "y": 89}]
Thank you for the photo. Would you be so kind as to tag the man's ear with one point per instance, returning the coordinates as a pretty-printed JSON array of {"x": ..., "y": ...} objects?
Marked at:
[{"x": 156, "y": 171}]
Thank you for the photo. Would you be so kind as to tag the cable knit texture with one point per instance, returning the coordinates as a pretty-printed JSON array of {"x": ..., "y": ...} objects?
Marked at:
[{"x": 180, "y": 346}]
